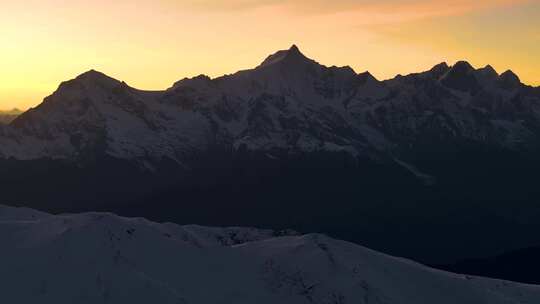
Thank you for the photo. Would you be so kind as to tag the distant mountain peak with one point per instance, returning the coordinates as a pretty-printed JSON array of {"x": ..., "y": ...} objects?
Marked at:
[
  {"x": 489, "y": 68},
  {"x": 509, "y": 80},
  {"x": 84, "y": 89},
  {"x": 462, "y": 66},
  {"x": 438, "y": 70},
  {"x": 294, "y": 48},
  {"x": 461, "y": 77},
  {"x": 93, "y": 76},
  {"x": 510, "y": 76},
  {"x": 367, "y": 77},
  {"x": 487, "y": 74},
  {"x": 291, "y": 56},
  {"x": 442, "y": 65}
]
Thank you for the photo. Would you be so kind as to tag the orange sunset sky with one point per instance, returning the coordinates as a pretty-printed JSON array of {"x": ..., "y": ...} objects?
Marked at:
[{"x": 152, "y": 43}]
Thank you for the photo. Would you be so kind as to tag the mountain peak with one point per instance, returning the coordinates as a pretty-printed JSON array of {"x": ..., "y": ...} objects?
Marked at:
[
  {"x": 291, "y": 56},
  {"x": 294, "y": 49},
  {"x": 87, "y": 84},
  {"x": 442, "y": 65},
  {"x": 487, "y": 74},
  {"x": 461, "y": 77},
  {"x": 509, "y": 80},
  {"x": 463, "y": 66},
  {"x": 438, "y": 70},
  {"x": 96, "y": 77},
  {"x": 489, "y": 68},
  {"x": 510, "y": 75},
  {"x": 367, "y": 77},
  {"x": 92, "y": 74}
]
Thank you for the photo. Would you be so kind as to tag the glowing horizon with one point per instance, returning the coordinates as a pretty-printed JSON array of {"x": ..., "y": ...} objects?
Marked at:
[{"x": 152, "y": 44}]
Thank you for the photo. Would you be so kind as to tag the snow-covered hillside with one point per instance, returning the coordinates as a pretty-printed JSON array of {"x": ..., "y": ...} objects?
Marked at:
[{"x": 103, "y": 258}]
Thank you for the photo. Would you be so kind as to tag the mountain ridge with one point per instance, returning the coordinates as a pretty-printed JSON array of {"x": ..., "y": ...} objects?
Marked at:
[{"x": 285, "y": 71}]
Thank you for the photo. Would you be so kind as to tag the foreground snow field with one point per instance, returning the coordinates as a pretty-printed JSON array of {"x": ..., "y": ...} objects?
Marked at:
[{"x": 104, "y": 258}]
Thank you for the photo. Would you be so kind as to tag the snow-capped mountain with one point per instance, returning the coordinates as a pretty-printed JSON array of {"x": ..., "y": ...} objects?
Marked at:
[
  {"x": 288, "y": 103},
  {"x": 103, "y": 258}
]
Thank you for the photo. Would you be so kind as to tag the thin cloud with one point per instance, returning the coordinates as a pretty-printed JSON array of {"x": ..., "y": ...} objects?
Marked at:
[{"x": 382, "y": 9}]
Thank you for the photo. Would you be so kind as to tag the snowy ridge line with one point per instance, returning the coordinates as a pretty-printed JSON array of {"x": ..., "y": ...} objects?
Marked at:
[
  {"x": 288, "y": 103},
  {"x": 104, "y": 258}
]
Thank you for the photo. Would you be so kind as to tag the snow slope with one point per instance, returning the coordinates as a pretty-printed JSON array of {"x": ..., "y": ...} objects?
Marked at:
[{"x": 103, "y": 258}]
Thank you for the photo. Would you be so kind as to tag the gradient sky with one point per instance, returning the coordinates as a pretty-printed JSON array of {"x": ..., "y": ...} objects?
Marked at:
[{"x": 152, "y": 43}]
